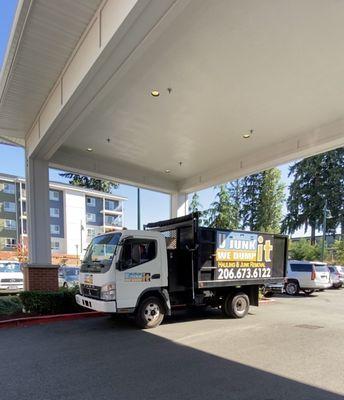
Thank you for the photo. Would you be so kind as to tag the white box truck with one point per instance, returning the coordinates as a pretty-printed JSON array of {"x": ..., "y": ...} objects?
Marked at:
[{"x": 177, "y": 262}]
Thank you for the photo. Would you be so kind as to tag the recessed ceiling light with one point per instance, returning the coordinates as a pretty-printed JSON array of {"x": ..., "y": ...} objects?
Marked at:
[
  {"x": 167, "y": 171},
  {"x": 247, "y": 135},
  {"x": 89, "y": 149},
  {"x": 155, "y": 93}
]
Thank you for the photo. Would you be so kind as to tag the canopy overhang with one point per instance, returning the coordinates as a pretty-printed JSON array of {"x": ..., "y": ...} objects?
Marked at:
[{"x": 271, "y": 70}]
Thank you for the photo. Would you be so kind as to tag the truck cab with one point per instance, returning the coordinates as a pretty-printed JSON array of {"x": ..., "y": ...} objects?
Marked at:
[{"x": 119, "y": 268}]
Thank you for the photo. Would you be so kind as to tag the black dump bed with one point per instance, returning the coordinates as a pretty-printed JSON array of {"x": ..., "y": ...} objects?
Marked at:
[{"x": 220, "y": 257}]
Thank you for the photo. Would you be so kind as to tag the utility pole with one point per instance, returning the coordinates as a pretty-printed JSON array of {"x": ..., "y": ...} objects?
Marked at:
[{"x": 138, "y": 209}]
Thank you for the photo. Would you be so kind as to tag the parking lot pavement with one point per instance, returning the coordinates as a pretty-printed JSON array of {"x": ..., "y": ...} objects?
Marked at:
[{"x": 291, "y": 348}]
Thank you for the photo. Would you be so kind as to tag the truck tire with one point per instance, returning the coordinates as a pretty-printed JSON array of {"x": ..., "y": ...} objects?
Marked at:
[
  {"x": 292, "y": 288},
  {"x": 236, "y": 306},
  {"x": 150, "y": 313}
]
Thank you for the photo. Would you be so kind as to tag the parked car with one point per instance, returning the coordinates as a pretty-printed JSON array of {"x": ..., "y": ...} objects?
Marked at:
[
  {"x": 11, "y": 275},
  {"x": 68, "y": 276},
  {"x": 306, "y": 276},
  {"x": 336, "y": 277}
]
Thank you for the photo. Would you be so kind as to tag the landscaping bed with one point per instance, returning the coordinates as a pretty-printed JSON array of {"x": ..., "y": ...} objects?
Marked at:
[{"x": 32, "y": 304}]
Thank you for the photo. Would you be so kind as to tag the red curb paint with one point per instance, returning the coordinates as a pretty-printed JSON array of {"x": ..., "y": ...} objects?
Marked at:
[{"x": 46, "y": 319}]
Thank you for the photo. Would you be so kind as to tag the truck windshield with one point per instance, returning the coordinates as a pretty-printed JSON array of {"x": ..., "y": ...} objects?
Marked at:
[{"x": 100, "y": 252}]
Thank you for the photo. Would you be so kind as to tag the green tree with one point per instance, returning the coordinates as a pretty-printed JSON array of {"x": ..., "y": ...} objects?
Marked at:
[
  {"x": 262, "y": 201},
  {"x": 235, "y": 189},
  {"x": 338, "y": 248},
  {"x": 304, "y": 250},
  {"x": 195, "y": 205},
  {"x": 316, "y": 179},
  {"x": 89, "y": 183},
  {"x": 222, "y": 212}
]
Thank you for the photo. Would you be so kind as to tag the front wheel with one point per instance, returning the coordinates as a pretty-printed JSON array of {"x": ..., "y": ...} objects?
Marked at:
[
  {"x": 292, "y": 288},
  {"x": 236, "y": 306},
  {"x": 150, "y": 313}
]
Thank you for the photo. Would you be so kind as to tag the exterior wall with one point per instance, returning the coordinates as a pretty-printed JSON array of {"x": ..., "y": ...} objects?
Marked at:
[
  {"x": 73, "y": 208},
  {"x": 96, "y": 209},
  {"x": 75, "y": 215},
  {"x": 8, "y": 232},
  {"x": 57, "y": 221}
]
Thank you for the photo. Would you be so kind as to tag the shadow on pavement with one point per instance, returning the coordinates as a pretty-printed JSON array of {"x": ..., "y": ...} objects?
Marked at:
[{"x": 107, "y": 359}]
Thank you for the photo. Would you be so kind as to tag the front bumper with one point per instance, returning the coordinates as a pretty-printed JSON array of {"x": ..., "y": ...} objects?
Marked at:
[
  {"x": 97, "y": 305},
  {"x": 12, "y": 286}
]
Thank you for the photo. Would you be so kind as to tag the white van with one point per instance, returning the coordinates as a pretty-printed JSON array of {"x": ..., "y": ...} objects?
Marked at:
[
  {"x": 306, "y": 276},
  {"x": 11, "y": 275}
]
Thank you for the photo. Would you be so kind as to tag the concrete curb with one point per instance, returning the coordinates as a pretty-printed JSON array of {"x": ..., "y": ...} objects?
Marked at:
[{"x": 45, "y": 319}]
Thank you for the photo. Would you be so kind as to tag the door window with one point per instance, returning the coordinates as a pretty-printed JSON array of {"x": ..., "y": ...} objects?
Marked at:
[{"x": 136, "y": 252}]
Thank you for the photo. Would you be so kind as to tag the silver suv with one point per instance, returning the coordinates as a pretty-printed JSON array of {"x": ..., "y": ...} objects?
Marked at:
[{"x": 306, "y": 276}]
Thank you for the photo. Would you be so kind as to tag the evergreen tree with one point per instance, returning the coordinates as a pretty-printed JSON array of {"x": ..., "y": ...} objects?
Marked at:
[
  {"x": 270, "y": 201},
  {"x": 338, "y": 248},
  {"x": 195, "y": 205},
  {"x": 316, "y": 179},
  {"x": 235, "y": 189},
  {"x": 222, "y": 212},
  {"x": 262, "y": 201},
  {"x": 304, "y": 250},
  {"x": 89, "y": 183}
]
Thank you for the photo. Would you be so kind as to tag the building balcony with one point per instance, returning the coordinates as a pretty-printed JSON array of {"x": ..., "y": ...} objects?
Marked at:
[{"x": 112, "y": 212}]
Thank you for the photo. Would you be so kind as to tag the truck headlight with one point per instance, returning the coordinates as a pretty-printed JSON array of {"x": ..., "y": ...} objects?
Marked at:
[{"x": 108, "y": 292}]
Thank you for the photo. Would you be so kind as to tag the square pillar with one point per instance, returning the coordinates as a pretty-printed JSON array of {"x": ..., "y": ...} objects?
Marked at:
[
  {"x": 179, "y": 204},
  {"x": 39, "y": 274}
]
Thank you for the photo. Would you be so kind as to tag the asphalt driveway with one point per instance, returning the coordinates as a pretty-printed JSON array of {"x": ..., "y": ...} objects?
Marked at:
[{"x": 292, "y": 348}]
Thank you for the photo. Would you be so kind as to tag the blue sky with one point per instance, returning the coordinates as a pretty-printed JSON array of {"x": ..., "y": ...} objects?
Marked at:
[{"x": 154, "y": 206}]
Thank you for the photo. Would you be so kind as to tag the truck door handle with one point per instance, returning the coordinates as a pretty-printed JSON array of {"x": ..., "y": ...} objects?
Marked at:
[{"x": 156, "y": 276}]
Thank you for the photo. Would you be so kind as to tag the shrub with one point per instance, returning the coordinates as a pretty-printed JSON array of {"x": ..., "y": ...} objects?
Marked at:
[
  {"x": 10, "y": 305},
  {"x": 44, "y": 303}
]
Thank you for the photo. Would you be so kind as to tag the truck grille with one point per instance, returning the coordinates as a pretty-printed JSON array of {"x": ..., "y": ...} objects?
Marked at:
[
  {"x": 11, "y": 280},
  {"x": 90, "y": 291}
]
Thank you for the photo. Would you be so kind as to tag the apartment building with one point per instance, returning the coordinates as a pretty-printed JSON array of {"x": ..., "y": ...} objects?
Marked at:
[{"x": 76, "y": 216}]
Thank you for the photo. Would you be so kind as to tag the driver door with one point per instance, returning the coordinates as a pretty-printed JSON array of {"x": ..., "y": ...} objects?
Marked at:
[{"x": 138, "y": 269}]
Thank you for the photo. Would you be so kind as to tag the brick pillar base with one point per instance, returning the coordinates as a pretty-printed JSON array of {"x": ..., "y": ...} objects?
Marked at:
[{"x": 43, "y": 278}]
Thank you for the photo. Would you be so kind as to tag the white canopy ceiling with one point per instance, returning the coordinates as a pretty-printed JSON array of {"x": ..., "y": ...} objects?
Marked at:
[{"x": 222, "y": 68}]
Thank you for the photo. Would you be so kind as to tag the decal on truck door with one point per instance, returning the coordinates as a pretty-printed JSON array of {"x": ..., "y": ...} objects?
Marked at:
[
  {"x": 241, "y": 255},
  {"x": 137, "y": 277}
]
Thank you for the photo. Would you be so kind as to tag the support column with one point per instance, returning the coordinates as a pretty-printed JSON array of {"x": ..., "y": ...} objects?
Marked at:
[
  {"x": 179, "y": 204},
  {"x": 39, "y": 274}
]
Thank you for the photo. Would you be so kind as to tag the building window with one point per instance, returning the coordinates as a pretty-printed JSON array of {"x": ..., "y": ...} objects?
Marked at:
[
  {"x": 55, "y": 229},
  {"x": 54, "y": 212},
  {"x": 91, "y": 233},
  {"x": 24, "y": 207},
  {"x": 54, "y": 195},
  {"x": 111, "y": 220},
  {"x": 9, "y": 206},
  {"x": 10, "y": 224},
  {"x": 91, "y": 201},
  {"x": 112, "y": 205},
  {"x": 10, "y": 242},
  {"x": 55, "y": 245},
  {"x": 91, "y": 217},
  {"x": 9, "y": 188}
]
